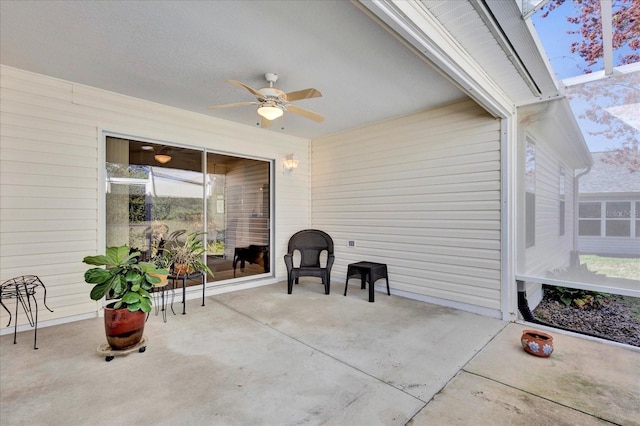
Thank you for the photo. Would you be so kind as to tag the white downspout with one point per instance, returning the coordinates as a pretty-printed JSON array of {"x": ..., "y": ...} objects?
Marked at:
[{"x": 575, "y": 258}]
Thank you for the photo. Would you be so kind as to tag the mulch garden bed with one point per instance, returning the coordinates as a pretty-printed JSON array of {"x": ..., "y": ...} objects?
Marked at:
[{"x": 611, "y": 317}]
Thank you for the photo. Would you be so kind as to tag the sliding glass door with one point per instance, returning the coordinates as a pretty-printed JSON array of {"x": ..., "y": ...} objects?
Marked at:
[{"x": 155, "y": 189}]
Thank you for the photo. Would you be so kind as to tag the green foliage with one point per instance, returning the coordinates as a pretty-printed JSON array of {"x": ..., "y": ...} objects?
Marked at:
[
  {"x": 127, "y": 170},
  {"x": 162, "y": 258},
  {"x": 577, "y": 297},
  {"x": 216, "y": 247},
  {"x": 189, "y": 252},
  {"x": 137, "y": 208},
  {"x": 124, "y": 278}
]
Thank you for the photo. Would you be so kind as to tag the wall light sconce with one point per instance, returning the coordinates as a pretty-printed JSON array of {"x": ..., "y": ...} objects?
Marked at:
[
  {"x": 289, "y": 164},
  {"x": 163, "y": 156}
]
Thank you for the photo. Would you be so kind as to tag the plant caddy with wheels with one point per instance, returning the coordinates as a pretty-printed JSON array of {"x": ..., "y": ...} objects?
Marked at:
[{"x": 129, "y": 280}]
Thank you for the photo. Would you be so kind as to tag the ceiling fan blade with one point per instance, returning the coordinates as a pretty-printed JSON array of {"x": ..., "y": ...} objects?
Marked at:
[
  {"x": 249, "y": 89},
  {"x": 305, "y": 113},
  {"x": 303, "y": 94}
]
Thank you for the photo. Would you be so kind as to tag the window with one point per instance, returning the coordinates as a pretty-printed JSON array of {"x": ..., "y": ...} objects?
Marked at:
[
  {"x": 637, "y": 216},
  {"x": 530, "y": 195},
  {"x": 608, "y": 219},
  {"x": 561, "y": 201},
  {"x": 589, "y": 219},
  {"x": 225, "y": 196},
  {"x": 618, "y": 222}
]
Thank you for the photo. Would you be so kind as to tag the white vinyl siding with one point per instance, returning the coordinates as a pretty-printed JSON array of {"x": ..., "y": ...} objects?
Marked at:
[
  {"x": 551, "y": 250},
  {"x": 245, "y": 202},
  {"x": 612, "y": 246},
  {"x": 420, "y": 193},
  {"x": 51, "y": 131}
]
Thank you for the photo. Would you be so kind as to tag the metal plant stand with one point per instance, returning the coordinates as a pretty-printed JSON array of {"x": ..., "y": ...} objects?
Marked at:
[
  {"x": 23, "y": 290},
  {"x": 164, "y": 297},
  {"x": 184, "y": 279}
]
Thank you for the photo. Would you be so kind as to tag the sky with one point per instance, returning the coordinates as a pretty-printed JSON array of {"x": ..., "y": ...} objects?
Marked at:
[{"x": 552, "y": 32}]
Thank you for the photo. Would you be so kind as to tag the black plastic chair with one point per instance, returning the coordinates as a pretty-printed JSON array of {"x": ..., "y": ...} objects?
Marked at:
[{"x": 310, "y": 243}]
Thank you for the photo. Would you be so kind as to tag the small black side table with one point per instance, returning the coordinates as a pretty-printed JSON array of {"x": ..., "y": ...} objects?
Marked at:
[
  {"x": 23, "y": 289},
  {"x": 371, "y": 270},
  {"x": 250, "y": 254}
]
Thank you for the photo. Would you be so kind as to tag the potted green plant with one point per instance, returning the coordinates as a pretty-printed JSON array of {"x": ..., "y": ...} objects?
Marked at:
[
  {"x": 162, "y": 259},
  {"x": 120, "y": 275},
  {"x": 187, "y": 255}
]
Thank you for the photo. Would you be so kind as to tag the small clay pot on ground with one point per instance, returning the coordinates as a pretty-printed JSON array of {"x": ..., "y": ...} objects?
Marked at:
[{"x": 537, "y": 343}]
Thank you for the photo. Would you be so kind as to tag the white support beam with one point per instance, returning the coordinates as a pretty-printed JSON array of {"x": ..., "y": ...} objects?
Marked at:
[{"x": 607, "y": 35}]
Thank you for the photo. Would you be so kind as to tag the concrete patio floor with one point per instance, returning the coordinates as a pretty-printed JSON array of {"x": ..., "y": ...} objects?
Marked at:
[{"x": 262, "y": 357}]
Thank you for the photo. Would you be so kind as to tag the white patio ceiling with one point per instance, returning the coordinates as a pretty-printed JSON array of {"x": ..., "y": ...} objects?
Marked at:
[{"x": 181, "y": 53}]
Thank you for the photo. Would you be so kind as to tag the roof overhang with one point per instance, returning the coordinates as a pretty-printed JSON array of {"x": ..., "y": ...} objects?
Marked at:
[
  {"x": 490, "y": 52},
  {"x": 555, "y": 123},
  {"x": 519, "y": 41},
  {"x": 415, "y": 24}
]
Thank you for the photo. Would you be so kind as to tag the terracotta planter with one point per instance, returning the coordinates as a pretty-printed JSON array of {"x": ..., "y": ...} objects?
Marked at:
[
  {"x": 123, "y": 328},
  {"x": 163, "y": 279},
  {"x": 182, "y": 269},
  {"x": 537, "y": 343}
]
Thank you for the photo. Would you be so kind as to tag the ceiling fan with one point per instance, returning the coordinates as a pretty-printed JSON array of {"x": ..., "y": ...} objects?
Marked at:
[{"x": 273, "y": 102}]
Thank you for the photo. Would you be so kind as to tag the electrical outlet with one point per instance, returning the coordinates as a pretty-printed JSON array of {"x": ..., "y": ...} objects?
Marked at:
[{"x": 351, "y": 243}]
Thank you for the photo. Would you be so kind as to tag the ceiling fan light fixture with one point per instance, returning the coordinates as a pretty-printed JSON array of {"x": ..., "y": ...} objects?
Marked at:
[
  {"x": 163, "y": 157},
  {"x": 270, "y": 112},
  {"x": 273, "y": 102}
]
